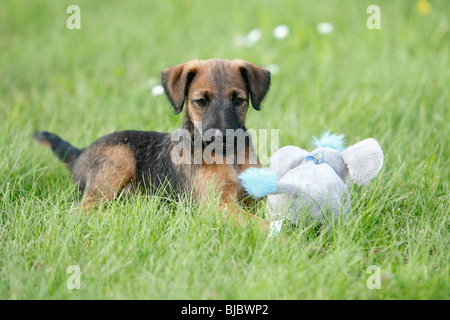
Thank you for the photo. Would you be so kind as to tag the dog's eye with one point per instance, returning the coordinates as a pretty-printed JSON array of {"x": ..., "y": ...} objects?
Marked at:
[
  {"x": 201, "y": 102},
  {"x": 238, "y": 101}
]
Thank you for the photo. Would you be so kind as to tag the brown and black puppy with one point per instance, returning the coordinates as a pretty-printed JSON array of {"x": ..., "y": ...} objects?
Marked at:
[{"x": 217, "y": 94}]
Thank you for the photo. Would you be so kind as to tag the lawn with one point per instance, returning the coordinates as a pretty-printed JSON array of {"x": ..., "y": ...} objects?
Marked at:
[{"x": 391, "y": 84}]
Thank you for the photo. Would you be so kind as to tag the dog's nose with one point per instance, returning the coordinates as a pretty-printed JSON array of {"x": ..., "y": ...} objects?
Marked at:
[
  {"x": 218, "y": 133},
  {"x": 223, "y": 136},
  {"x": 221, "y": 133},
  {"x": 225, "y": 132}
]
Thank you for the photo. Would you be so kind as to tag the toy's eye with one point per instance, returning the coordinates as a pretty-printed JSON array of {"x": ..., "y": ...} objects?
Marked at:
[
  {"x": 201, "y": 102},
  {"x": 238, "y": 101}
]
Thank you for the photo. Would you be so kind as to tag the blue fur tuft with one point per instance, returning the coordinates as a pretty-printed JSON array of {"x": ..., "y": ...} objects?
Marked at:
[
  {"x": 335, "y": 141},
  {"x": 258, "y": 182}
]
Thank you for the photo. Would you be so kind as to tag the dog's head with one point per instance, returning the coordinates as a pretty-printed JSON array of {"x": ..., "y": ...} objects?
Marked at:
[{"x": 216, "y": 92}]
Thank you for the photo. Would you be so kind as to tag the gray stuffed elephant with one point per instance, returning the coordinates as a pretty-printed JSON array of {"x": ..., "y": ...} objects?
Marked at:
[{"x": 314, "y": 183}]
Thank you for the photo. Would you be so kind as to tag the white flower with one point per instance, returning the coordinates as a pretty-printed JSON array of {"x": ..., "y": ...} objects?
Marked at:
[
  {"x": 157, "y": 90},
  {"x": 273, "y": 68},
  {"x": 253, "y": 37},
  {"x": 239, "y": 40},
  {"x": 281, "y": 32},
  {"x": 249, "y": 40},
  {"x": 325, "y": 28}
]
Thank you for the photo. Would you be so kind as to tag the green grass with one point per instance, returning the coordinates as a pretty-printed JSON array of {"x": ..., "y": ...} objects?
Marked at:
[{"x": 390, "y": 84}]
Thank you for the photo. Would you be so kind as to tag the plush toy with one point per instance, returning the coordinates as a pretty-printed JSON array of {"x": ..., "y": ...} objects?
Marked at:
[{"x": 314, "y": 183}]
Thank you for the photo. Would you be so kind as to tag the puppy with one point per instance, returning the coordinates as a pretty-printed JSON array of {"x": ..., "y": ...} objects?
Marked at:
[{"x": 216, "y": 95}]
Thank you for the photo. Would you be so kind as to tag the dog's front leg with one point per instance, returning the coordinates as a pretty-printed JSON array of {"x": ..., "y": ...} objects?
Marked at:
[
  {"x": 223, "y": 179},
  {"x": 242, "y": 217}
]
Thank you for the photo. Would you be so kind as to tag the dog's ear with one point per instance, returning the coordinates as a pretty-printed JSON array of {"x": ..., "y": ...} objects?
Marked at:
[
  {"x": 257, "y": 79},
  {"x": 176, "y": 81}
]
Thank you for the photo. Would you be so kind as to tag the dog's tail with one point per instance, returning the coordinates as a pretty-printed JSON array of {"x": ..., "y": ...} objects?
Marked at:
[{"x": 62, "y": 149}]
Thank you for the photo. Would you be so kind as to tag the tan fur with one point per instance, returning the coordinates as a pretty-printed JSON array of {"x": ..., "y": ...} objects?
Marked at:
[
  {"x": 118, "y": 170},
  {"x": 224, "y": 179},
  {"x": 204, "y": 73}
]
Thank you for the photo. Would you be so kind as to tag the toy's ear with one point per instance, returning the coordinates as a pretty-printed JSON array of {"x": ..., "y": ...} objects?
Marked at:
[
  {"x": 364, "y": 160},
  {"x": 285, "y": 159}
]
